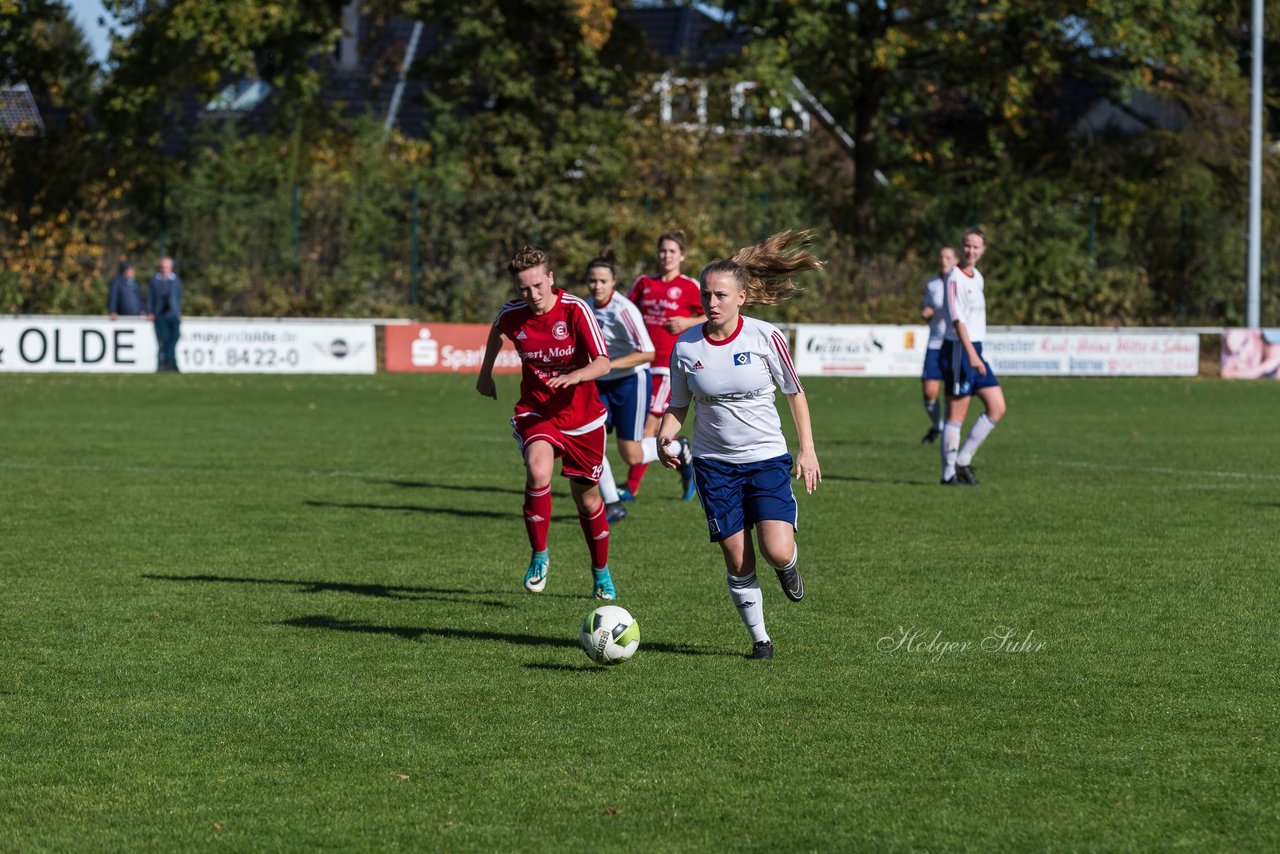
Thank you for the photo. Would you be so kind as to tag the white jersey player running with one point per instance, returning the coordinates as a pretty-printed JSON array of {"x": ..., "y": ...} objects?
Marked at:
[
  {"x": 625, "y": 389},
  {"x": 727, "y": 369}
]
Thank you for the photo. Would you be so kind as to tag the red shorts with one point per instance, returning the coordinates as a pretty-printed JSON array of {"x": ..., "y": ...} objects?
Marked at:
[
  {"x": 659, "y": 393},
  {"x": 582, "y": 454}
]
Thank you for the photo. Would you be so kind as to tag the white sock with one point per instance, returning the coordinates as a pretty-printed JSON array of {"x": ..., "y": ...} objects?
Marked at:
[
  {"x": 949, "y": 448},
  {"x": 608, "y": 487},
  {"x": 934, "y": 408},
  {"x": 744, "y": 590},
  {"x": 649, "y": 448},
  {"x": 978, "y": 433}
]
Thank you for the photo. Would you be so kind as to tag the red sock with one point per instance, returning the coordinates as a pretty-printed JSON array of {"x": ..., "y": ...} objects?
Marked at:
[
  {"x": 634, "y": 476},
  {"x": 537, "y": 516},
  {"x": 596, "y": 530}
]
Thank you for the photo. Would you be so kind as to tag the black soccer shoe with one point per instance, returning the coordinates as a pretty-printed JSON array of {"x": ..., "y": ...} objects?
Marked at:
[
  {"x": 792, "y": 583},
  {"x": 965, "y": 476},
  {"x": 762, "y": 649},
  {"x": 951, "y": 481},
  {"x": 931, "y": 436},
  {"x": 615, "y": 512}
]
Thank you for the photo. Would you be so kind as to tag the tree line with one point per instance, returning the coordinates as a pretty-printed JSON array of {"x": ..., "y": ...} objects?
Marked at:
[{"x": 540, "y": 127}]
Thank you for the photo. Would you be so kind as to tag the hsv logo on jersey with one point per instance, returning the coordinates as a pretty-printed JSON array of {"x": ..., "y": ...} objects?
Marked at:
[
  {"x": 560, "y": 330},
  {"x": 674, "y": 293},
  {"x": 742, "y": 358}
]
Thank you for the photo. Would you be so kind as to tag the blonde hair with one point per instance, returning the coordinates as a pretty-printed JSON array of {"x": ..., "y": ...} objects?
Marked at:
[
  {"x": 764, "y": 270},
  {"x": 527, "y": 258}
]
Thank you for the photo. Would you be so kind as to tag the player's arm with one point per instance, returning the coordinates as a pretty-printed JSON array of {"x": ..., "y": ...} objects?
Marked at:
[
  {"x": 593, "y": 370},
  {"x": 975, "y": 361},
  {"x": 957, "y": 311},
  {"x": 672, "y": 421},
  {"x": 806, "y": 456},
  {"x": 641, "y": 344},
  {"x": 484, "y": 383},
  {"x": 678, "y": 325},
  {"x": 631, "y": 360}
]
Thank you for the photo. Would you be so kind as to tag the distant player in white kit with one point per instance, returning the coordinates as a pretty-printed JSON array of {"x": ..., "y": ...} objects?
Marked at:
[
  {"x": 965, "y": 371},
  {"x": 931, "y": 375},
  {"x": 730, "y": 365},
  {"x": 625, "y": 389},
  {"x": 559, "y": 414}
]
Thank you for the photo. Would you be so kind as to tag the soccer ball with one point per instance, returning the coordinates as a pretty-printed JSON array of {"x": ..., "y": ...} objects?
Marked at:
[{"x": 610, "y": 635}]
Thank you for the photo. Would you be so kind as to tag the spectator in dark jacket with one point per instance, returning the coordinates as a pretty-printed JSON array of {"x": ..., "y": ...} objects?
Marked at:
[
  {"x": 164, "y": 307},
  {"x": 125, "y": 294}
]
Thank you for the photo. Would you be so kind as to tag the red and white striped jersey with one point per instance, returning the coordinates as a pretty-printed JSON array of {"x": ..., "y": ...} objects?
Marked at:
[
  {"x": 624, "y": 333},
  {"x": 660, "y": 301},
  {"x": 561, "y": 341},
  {"x": 731, "y": 384}
]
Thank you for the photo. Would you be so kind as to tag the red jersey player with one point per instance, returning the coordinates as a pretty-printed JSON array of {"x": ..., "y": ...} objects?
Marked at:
[
  {"x": 559, "y": 413},
  {"x": 670, "y": 303}
]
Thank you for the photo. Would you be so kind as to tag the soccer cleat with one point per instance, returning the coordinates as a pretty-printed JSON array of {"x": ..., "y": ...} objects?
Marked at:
[
  {"x": 762, "y": 649},
  {"x": 949, "y": 481},
  {"x": 965, "y": 476},
  {"x": 792, "y": 583},
  {"x": 624, "y": 494},
  {"x": 603, "y": 588},
  {"x": 535, "y": 577},
  {"x": 614, "y": 512},
  {"x": 931, "y": 436}
]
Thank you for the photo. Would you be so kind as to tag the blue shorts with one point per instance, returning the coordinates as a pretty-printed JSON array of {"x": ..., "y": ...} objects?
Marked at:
[
  {"x": 627, "y": 401},
  {"x": 962, "y": 380},
  {"x": 735, "y": 496},
  {"x": 931, "y": 370}
]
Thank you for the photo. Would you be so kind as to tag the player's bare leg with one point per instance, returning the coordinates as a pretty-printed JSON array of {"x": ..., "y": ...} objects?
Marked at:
[{"x": 778, "y": 546}]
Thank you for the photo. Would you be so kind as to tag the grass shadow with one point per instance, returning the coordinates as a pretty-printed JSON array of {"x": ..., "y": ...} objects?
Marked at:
[
  {"x": 379, "y": 591},
  {"x": 413, "y": 633},
  {"x": 410, "y": 508},
  {"x": 885, "y": 480},
  {"x": 452, "y": 487},
  {"x": 566, "y": 668}
]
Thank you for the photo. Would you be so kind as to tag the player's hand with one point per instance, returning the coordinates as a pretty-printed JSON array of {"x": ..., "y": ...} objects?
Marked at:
[
  {"x": 666, "y": 454},
  {"x": 487, "y": 387},
  {"x": 563, "y": 380},
  {"x": 807, "y": 467},
  {"x": 975, "y": 362},
  {"x": 676, "y": 325}
]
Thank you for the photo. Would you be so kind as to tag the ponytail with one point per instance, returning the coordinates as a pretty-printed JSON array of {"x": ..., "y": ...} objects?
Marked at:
[{"x": 764, "y": 271}]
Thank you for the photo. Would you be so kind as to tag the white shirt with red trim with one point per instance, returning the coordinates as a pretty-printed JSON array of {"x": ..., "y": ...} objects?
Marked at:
[
  {"x": 966, "y": 302},
  {"x": 561, "y": 341},
  {"x": 660, "y": 301},
  {"x": 731, "y": 384},
  {"x": 624, "y": 333}
]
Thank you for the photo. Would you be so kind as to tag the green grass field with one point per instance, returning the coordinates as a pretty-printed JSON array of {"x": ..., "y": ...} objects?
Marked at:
[{"x": 286, "y": 613}]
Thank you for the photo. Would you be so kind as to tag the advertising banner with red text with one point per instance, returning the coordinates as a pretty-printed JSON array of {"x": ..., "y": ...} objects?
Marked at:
[{"x": 447, "y": 348}]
